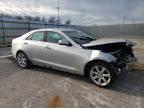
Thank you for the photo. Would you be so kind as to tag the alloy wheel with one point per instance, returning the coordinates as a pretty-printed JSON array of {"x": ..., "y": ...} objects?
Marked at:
[
  {"x": 22, "y": 60},
  {"x": 100, "y": 75}
]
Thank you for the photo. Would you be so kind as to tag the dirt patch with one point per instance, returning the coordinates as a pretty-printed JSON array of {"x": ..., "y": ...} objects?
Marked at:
[
  {"x": 55, "y": 102},
  {"x": 137, "y": 66},
  {"x": 138, "y": 49}
]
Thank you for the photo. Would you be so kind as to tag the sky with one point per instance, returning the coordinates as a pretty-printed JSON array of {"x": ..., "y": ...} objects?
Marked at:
[{"x": 81, "y": 12}]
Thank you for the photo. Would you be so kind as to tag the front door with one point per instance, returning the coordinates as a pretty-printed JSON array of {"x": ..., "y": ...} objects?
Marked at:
[{"x": 59, "y": 55}]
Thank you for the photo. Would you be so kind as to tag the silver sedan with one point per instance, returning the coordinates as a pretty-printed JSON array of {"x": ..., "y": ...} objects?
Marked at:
[{"x": 74, "y": 51}]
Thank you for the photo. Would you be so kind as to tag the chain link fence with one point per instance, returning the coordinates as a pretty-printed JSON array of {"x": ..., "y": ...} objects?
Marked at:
[
  {"x": 10, "y": 29},
  {"x": 131, "y": 31}
]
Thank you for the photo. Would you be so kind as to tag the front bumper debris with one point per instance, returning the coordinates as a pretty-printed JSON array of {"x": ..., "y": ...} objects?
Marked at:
[{"x": 132, "y": 60}]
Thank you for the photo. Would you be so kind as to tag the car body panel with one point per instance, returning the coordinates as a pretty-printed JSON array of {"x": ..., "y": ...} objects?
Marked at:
[{"x": 67, "y": 58}]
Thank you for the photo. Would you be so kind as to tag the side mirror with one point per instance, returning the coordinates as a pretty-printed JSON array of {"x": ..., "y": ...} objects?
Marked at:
[{"x": 64, "y": 42}]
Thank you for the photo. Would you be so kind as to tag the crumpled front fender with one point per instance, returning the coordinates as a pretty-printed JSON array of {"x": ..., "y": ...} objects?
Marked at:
[{"x": 98, "y": 55}]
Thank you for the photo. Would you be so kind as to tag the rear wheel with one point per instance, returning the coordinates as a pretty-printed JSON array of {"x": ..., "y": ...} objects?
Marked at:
[
  {"x": 22, "y": 60},
  {"x": 101, "y": 74}
]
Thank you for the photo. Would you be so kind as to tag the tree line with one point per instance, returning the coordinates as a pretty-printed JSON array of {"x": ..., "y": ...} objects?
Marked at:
[{"x": 51, "y": 20}]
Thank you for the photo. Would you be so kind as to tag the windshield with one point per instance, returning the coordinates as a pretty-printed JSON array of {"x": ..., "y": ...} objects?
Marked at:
[{"x": 79, "y": 37}]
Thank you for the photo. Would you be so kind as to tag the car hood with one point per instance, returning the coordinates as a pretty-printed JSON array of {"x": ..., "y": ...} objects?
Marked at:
[{"x": 108, "y": 41}]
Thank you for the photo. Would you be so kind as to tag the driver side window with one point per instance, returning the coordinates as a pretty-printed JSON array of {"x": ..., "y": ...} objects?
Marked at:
[{"x": 54, "y": 37}]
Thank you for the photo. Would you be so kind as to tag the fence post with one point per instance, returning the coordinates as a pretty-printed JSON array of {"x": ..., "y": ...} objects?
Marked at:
[
  {"x": 3, "y": 32},
  {"x": 45, "y": 25},
  {"x": 29, "y": 26}
]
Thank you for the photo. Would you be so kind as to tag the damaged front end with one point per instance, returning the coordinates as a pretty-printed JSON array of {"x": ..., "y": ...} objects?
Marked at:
[{"x": 122, "y": 50}]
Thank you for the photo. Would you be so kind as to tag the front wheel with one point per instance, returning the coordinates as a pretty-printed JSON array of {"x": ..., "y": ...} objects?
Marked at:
[
  {"x": 101, "y": 74},
  {"x": 22, "y": 60}
]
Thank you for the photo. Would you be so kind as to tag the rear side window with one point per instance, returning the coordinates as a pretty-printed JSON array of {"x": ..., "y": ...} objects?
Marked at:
[
  {"x": 54, "y": 37},
  {"x": 37, "y": 36}
]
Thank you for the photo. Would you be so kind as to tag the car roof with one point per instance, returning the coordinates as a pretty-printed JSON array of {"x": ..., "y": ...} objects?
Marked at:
[{"x": 55, "y": 29}]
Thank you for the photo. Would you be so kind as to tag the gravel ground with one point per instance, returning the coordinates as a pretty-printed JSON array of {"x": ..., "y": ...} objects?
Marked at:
[
  {"x": 5, "y": 51},
  {"x": 39, "y": 87},
  {"x": 46, "y": 88}
]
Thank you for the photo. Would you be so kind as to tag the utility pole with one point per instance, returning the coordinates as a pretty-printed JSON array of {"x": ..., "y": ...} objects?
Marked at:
[
  {"x": 133, "y": 21},
  {"x": 58, "y": 9},
  {"x": 124, "y": 18}
]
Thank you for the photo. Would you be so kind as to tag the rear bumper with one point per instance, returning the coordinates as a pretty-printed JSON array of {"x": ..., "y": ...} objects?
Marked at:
[{"x": 13, "y": 52}]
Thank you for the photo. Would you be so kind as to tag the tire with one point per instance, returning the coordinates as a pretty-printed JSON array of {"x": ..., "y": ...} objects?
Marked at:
[
  {"x": 101, "y": 73},
  {"x": 23, "y": 60}
]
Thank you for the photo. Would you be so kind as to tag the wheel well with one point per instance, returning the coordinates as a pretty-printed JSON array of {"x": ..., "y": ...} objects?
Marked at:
[
  {"x": 19, "y": 52},
  {"x": 91, "y": 62}
]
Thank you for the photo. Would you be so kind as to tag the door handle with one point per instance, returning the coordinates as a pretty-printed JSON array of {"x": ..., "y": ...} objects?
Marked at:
[
  {"x": 47, "y": 47},
  {"x": 25, "y": 43}
]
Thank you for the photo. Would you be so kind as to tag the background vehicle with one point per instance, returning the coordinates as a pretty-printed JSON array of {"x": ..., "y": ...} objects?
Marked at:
[{"x": 74, "y": 51}]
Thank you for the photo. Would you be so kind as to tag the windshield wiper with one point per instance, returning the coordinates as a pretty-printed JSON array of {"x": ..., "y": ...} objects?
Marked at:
[
  {"x": 84, "y": 38},
  {"x": 80, "y": 38},
  {"x": 88, "y": 37}
]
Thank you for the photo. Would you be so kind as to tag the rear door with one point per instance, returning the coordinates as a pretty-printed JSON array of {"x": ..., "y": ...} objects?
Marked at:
[{"x": 35, "y": 43}]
